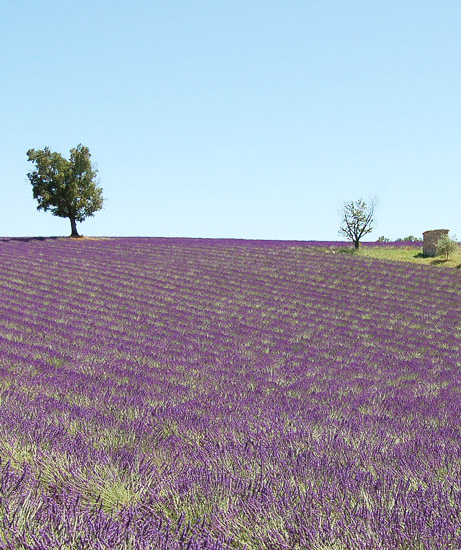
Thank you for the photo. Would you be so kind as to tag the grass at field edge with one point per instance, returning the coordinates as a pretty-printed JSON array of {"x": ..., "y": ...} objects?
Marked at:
[{"x": 403, "y": 254}]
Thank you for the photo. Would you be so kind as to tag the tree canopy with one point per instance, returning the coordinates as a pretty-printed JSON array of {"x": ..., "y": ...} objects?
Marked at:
[
  {"x": 446, "y": 246},
  {"x": 357, "y": 219},
  {"x": 67, "y": 188}
]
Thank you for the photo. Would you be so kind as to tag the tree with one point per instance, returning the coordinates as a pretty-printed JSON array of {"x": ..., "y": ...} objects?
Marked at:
[
  {"x": 446, "y": 245},
  {"x": 410, "y": 239},
  {"x": 357, "y": 219},
  {"x": 67, "y": 188}
]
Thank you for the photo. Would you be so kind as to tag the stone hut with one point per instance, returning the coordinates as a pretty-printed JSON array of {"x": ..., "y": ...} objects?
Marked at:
[{"x": 430, "y": 239}]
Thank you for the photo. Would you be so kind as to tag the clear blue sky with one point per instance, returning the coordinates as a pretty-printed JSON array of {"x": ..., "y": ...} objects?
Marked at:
[{"x": 247, "y": 119}]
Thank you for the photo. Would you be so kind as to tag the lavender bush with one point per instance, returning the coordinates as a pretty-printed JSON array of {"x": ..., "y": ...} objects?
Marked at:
[{"x": 226, "y": 394}]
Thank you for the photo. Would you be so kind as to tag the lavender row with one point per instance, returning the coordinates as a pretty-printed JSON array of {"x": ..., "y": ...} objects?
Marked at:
[{"x": 227, "y": 393}]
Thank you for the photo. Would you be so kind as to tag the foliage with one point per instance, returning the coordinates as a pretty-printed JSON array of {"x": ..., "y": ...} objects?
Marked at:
[
  {"x": 357, "y": 219},
  {"x": 410, "y": 239},
  {"x": 446, "y": 246},
  {"x": 180, "y": 393},
  {"x": 383, "y": 239},
  {"x": 67, "y": 188}
]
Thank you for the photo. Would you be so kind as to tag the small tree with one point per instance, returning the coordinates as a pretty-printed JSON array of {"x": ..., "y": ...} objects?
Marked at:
[
  {"x": 410, "y": 239},
  {"x": 446, "y": 245},
  {"x": 357, "y": 219},
  {"x": 67, "y": 188}
]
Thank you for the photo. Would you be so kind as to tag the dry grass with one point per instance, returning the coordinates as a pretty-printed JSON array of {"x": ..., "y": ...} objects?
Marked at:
[{"x": 409, "y": 254}]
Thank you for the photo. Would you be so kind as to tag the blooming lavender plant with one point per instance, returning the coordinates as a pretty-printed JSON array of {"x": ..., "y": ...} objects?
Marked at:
[{"x": 189, "y": 393}]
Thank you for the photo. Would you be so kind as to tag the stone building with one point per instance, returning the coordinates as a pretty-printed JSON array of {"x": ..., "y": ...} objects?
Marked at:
[{"x": 430, "y": 239}]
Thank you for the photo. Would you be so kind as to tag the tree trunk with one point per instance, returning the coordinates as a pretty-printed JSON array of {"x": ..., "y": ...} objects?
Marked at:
[
  {"x": 73, "y": 226},
  {"x": 357, "y": 244}
]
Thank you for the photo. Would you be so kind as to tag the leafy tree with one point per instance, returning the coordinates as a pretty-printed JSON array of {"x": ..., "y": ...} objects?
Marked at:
[
  {"x": 446, "y": 245},
  {"x": 67, "y": 188},
  {"x": 410, "y": 239},
  {"x": 357, "y": 219},
  {"x": 383, "y": 239}
]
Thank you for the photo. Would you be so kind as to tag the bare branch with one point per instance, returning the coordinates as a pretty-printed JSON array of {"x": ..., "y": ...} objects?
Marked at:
[{"x": 357, "y": 219}]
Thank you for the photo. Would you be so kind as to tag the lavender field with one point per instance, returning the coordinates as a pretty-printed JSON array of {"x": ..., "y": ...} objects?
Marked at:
[{"x": 225, "y": 394}]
